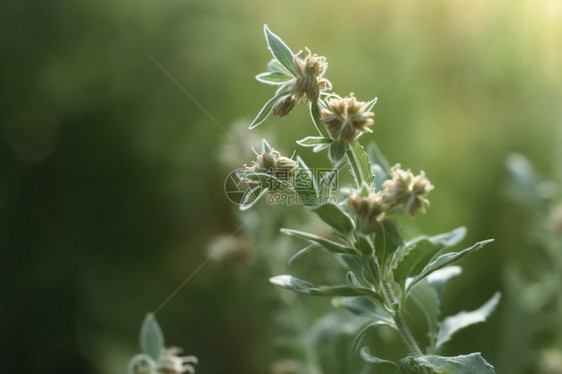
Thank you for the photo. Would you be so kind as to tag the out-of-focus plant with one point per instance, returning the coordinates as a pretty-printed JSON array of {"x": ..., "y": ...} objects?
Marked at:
[
  {"x": 382, "y": 269},
  {"x": 534, "y": 297},
  {"x": 155, "y": 357}
]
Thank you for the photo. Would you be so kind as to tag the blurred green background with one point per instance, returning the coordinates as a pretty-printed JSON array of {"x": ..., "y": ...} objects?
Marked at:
[{"x": 111, "y": 177}]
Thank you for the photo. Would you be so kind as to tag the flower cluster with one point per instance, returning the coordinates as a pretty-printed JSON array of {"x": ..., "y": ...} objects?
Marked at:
[
  {"x": 307, "y": 84},
  {"x": 274, "y": 164},
  {"x": 347, "y": 117},
  {"x": 403, "y": 189},
  {"x": 169, "y": 362}
]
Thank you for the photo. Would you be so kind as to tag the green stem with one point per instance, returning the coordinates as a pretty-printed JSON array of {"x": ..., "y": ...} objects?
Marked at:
[{"x": 402, "y": 327}]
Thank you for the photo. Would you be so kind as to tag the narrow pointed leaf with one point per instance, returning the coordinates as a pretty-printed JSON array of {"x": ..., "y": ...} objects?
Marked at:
[
  {"x": 151, "y": 337},
  {"x": 362, "y": 160},
  {"x": 365, "y": 307},
  {"x": 252, "y": 196},
  {"x": 280, "y": 50},
  {"x": 379, "y": 166},
  {"x": 416, "y": 254},
  {"x": 294, "y": 284},
  {"x": 312, "y": 141},
  {"x": 334, "y": 216},
  {"x": 317, "y": 120},
  {"x": 469, "y": 364},
  {"x": 381, "y": 366},
  {"x": 305, "y": 183},
  {"x": 387, "y": 240},
  {"x": 331, "y": 246},
  {"x": 427, "y": 299},
  {"x": 266, "y": 109},
  {"x": 303, "y": 252},
  {"x": 452, "y": 324},
  {"x": 444, "y": 260},
  {"x": 274, "y": 78},
  {"x": 438, "y": 278},
  {"x": 337, "y": 150},
  {"x": 266, "y": 147}
]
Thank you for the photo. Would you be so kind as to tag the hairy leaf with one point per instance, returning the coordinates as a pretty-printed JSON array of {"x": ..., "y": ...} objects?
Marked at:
[
  {"x": 303, "y": 252},
  {"x": 151, "y": 337},
  {"x": 312, "y": 141},
  {"x": 411, "y": 258},
  {"x": 382, "y": 366},
  {"x": 266, "y": 109},
  {"x": 331, "y": 246},
  {"x": 444, "y": 260},
  {"x": 274, "y": 78},
  {"x": 365, "y": 307},
  {"x": 280, "y": 51},
  {"x": 469, "y": 364},
  {"x": 361, "y": 158},
  {"x": 337, "y": 150},
  {"x": 252, "y": 196},
  {"x": 452, "y": 324},
  {"x": 334, "y": 216}
]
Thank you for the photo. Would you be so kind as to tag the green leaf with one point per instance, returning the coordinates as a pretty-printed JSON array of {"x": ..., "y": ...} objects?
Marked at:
[
  {"x": 469, "y": 364},
  {"x": 365, "y": 307},
  {"x": 252, "y": 196},
  {"x": 361, "y": 159},
  {"x": 337, "y": 150},
  {"x": 334, "y": 216},
  {"x": 382, "y": 366},
  {"x": 364, "y": 245},
  {"x": 379, "y": 166},
  {"x": 387, "y": 240},
  {"x": 300, "y": 286},
  {"x": 275, "y": 67},
  {"x": 444, "y": 260},
  {"x": 305, "y": 183},
  {"x": 151, "y": 337},
  {"x": 317, "y": 120},
  {"x": 438, "y": 278},
  {"x": 312, "y": 141},
  {"x": 280, "y": 51},
  {"x": 274, "y": 78},
  {"x": 427, "y": 299},
  {"x": 452, "y": 324},
  {"x": 266, "y": 109},
  {"x": 266, "y": 180},
  {"x": 294, "y": 284},
  {"x": 303, "y": 252},
  {"x": 265, "y": 145},
  {"x": 331, "y": 246},
  {"x": 343, "y": 290},
  {"x": 410, "y": 259}
]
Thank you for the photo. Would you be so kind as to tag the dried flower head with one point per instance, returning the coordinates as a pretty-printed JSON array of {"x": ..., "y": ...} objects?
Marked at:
[
  {"x": 170, "y": 362},
  {"x": 273, "y": 164},
  {"x": 369, "y": 209},
  {"x": 309, "y": 81},
  {"x": 347, "y": 117},
  {"x": 405, "y": 188}
]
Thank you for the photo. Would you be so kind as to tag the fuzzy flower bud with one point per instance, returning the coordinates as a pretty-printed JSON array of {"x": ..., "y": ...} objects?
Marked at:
[
  {"x": 284, "y": 106},
  {"x": 369, "y": 209},
  {"x": 170, "y": 363},
  {"x": 405, "y": 188},
  {"x": 347, "y": 118},
  {"x": 274, "y": 164}
]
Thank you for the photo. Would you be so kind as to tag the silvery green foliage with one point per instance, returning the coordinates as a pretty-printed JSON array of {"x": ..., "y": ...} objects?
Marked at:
[{"x": 383, "y": 269}]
